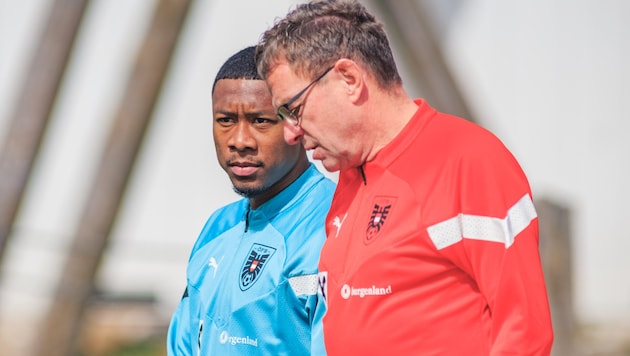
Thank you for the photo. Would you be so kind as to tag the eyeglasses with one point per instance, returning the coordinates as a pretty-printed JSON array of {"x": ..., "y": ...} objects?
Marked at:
[{"x": 284, "y": 113}]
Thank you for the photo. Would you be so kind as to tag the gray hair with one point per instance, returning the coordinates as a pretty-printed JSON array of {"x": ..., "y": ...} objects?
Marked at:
[{"x": 316, "y": 34}]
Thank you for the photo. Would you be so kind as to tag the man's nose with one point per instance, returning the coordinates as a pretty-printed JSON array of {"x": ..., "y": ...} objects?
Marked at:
[
  {"x": 292, "y": 133},
  {"x": 242, "y": 138}
]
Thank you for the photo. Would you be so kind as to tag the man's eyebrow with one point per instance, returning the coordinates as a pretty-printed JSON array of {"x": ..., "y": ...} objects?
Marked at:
[
  {"x": 224, "y": 112},
  {"x": 255, "y": 114}
]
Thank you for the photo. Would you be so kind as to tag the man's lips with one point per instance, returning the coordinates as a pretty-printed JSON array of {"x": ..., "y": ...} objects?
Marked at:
[{"x": 244, "y": 169}]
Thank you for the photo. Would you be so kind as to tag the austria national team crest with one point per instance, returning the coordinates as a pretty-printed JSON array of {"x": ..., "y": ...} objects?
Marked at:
[
  {"x": 254, "y": 263},
  {"x": 381, "y": 210}
]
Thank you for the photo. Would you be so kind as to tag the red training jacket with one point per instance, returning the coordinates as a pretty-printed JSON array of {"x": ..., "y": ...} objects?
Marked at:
[{"x": 436, "y": 252}]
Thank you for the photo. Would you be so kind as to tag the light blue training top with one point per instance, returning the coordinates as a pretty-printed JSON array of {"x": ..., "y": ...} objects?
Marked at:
[{"x": 252, "y": 277}]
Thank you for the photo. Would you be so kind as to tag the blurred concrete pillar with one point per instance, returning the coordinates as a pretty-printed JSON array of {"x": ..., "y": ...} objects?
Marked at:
[
  {"x": 411, "y": 21},
  {"x": 33, "y": 108},
  {"x": 60, "y": 329},
  {"x": 556, "y": 253}
]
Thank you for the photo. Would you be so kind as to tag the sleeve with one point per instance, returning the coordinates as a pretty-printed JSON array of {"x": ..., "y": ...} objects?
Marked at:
[
  {"x": 186, "y": 326},
  {"x": 306, "y": 326},
  {"x": 317, "y": 309},
  {"x": 497, "y": 246},
  {"x": 178, "y": 336},
  {"x": 502, "y": 245}
]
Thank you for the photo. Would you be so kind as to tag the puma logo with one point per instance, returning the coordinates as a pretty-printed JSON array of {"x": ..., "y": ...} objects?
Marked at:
[
  {"x": 214, "y": 264},
  {"x": 338, "y": 222}
]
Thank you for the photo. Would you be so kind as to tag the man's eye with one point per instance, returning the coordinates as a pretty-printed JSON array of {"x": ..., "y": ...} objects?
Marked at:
[
  {"x": 224, "y": 121},
  {"x": 296, "y": 111},
  {"x": 261, "y": 120},
  {"x": 265, "y": 121}
]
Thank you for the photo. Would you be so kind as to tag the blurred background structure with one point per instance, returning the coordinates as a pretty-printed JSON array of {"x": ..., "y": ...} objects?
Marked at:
[{"x": 108, "y": 171}]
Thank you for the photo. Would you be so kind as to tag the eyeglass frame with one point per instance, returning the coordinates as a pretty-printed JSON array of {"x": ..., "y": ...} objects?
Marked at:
[{"x": 284, "y": 113}]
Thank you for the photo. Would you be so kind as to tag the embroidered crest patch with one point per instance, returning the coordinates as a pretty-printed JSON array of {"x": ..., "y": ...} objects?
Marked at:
[
  {"x": 382, "y": 208},
  {"x": 254, "y": 263}
]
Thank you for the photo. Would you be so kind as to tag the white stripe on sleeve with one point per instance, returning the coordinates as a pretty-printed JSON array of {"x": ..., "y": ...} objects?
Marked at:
[
  {"x": 304, "y": 285},
  {"x": 462, "y": 226}
]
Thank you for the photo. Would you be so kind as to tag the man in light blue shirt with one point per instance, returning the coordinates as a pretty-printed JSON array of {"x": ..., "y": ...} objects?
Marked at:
[{"x": 252, "y": 274}]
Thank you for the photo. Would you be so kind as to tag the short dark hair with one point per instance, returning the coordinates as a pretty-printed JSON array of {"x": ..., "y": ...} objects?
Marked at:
[{"x": 241, "y": 65}]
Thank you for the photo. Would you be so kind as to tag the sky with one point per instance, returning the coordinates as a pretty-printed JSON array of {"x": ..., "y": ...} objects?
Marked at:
[
  {"x": 549, "y": 78},
  {"x": 553, "y": 79}
]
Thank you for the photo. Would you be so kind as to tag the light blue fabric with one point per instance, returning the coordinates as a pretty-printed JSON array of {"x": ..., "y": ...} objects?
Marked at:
[{"x": 252, "y": 277}]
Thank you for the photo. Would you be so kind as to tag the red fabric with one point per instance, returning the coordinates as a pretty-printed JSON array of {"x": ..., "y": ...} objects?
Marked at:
[{"x": 390, "y": 290}]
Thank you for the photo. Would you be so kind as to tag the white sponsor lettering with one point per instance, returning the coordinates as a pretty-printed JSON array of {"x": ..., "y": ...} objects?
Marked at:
[
  {"x": 349, "y": 291},
  {"x": 225, "y": 338}
]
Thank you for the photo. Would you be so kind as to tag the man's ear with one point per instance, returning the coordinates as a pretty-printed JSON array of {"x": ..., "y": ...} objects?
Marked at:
[{"x": 352, "y": 75}]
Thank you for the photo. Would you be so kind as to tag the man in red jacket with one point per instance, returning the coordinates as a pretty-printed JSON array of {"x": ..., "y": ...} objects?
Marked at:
[{"x": 432, "y": 236}]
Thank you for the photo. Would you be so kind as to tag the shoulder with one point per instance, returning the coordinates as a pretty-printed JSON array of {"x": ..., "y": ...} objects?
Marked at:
[
  {"x": 468, "y": 137},
  {"x": 304, "y": 218},
  {"x": 316, "y": 187},
  {"x": 221, "y": 220},
  {"x": 228, "y": 215}
]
